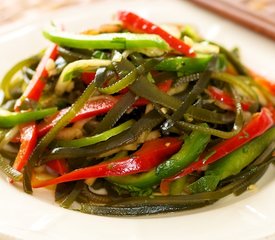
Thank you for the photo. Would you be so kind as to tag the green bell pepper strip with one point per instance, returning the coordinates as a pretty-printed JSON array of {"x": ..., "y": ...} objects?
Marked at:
[
  {"x": 145, "y": 123},
  {"x": 233, "y": 163},
  {"x": 86, "y": 141},
  {"x": 188, "y": 66},
  {"x": 193, "y": 146},
  {"x": 75, "y": 68},
  {"x": 196, "y": 142},
  {"x": 105, "y": 40},
  {"x": 9, "y": 119},
  {"x": 259, "y": 124},
  {"x": 8, "y": 170},
  {"x": 5, "y": 83}
]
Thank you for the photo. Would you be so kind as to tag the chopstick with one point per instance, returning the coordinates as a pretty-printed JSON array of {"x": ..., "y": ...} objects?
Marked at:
[{"x": 259, "y": 18}]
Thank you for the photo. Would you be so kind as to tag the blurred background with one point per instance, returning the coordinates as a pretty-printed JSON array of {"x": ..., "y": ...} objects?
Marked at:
[
  {"x": 13, "y": 10},
  {"x": 258, "y": 15}
]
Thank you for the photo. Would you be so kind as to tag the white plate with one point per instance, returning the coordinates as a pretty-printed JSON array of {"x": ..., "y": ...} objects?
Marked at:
[{"x": 250, "y": 216}]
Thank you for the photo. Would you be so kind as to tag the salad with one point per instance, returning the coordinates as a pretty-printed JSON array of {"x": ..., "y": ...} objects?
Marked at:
[{"x": 134, "y": 119}]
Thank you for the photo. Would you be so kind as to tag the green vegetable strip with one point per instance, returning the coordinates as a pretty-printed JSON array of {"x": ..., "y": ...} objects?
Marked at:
[
  {"x": 215, "y": 132},
  {"x": 196, "y": 141},
  {"x": 152, "y": 93},
  {"x": 9, "y": 135},
  {"x": 233, "y": 163},
  {"x": 70, "y": 198},
  {"x": 209, "y": 116},
  {"x": 193, "y": 146},
  {"x": 5, "y": 83},
  {"x": 104, "y": 41},
  {"x": 47, "y": 139},
  {"x": 129, "y": 78},
  {"x": 193, "y": 94},
  {"x": 236, "y": 161},
  {"x": 135, "y": 206},
  {"x": 86, "y": 141},
  {"x": 235, "y": 81},
  {"x": 145, "y": 123},
  {"x": 10, "y": 119},
  {"x": 116, "y": 112},
  {"x": 8, "y": 170},
  {"x": 233, "y": 60},
  {"x": 71, "y": 56},
  {"x": 184, "y": 65},
  {"x": 75, "y": 68}
]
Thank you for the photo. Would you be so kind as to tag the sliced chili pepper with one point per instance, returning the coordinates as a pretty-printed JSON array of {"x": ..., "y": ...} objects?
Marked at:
[
  {"x": 28, "y": 139},
  {"x": 87, "y": 77},
  {"x": 94, "y": 108},
  {"x": 135, "y": 23},
  {"x": 259, "y": 124},
  {"x": 150, "y": 155},
  {"x": 37, "y": 84},
  {"x": 59, "y": 166},
  {"x": 223, "y": 97},
  {"x": 91, "y": 108}
]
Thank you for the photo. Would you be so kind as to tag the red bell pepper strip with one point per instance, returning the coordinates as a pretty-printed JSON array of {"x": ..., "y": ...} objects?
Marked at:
[
  {"x": 93, "y": 108},
  {"x": 151, "y": 154},
  {"x": 259, "y": 124},
  {"x": 223, "y": 97},
  {"x": 135, "y": 23},
  {"x": 59, "y": 166},
  {"x": 28, "y": 139},
  {"x": 37, "y": 83},
  {"x": 87, "y": 77}
]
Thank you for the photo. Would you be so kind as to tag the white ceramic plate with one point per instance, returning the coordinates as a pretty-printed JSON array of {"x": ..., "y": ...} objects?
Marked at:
[{"x": 250, "y": 216}]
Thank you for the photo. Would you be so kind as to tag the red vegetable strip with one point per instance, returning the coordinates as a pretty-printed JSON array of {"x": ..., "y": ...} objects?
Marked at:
[
  {"x": 28, "y": 139},
  {"x": 151, "y": 154},
  {"x": 223, "y": 97},
  {"x": 93, "y": 108},
  {"x": 135, "y": 23},
  {"x": 59, "y": 166},
  {"x": 37, "y": 83},
  {"x": 259, "y": 123},
  {"x": 87, "y": 77}
]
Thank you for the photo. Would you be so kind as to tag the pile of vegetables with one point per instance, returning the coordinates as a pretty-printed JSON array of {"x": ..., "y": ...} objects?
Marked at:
[{"x": 134, "y": 119}]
